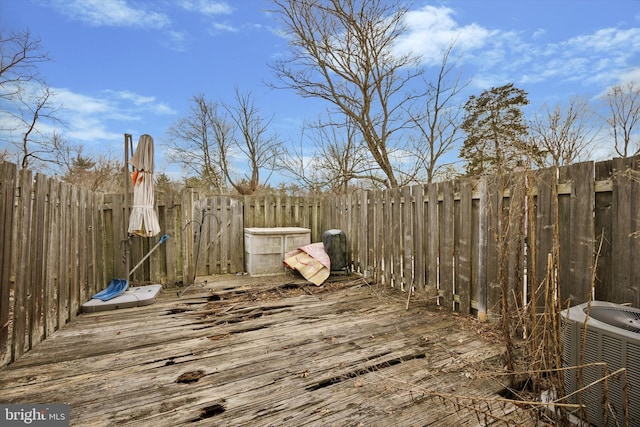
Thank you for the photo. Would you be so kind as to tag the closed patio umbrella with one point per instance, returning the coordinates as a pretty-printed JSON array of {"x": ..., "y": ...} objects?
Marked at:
[{"x": 143, "y": 220}]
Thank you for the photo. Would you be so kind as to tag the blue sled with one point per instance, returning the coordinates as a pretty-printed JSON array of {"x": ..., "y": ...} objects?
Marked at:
[{"x": 116, "y": 287}]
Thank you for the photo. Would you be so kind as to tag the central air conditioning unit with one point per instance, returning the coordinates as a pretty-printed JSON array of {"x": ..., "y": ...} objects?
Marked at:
[{"x": 612, "y": 337}]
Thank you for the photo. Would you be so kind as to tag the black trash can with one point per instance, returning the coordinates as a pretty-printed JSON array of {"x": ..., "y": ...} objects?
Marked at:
[{"x": 335, "y": 245}]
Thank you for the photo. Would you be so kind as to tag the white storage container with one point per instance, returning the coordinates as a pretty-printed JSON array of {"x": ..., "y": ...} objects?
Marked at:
[{"x": 264, "y": 248}]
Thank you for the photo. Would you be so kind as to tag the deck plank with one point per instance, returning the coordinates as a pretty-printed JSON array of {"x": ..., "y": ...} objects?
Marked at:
[{"x": 235, "y": 355}]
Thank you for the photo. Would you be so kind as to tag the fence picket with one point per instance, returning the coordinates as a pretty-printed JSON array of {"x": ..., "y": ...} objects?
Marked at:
[
  {"x": 576, "y": 273},
  {"x": 63, "y": 250},
  {"x": 463, "y": 276},
  {"x": 491, "y": 232},
  {"x": 418, "y": 236},
  {"x": 432, "y": 230},
  {"x": 446, "y": 233},
  {"x": 625, "y": 229},
  {"x": 603, "y": 234},
  {"x": 52, "y": 260},
  {"x": 21, "y": 265},
  {"x": 8, "y": 175}
]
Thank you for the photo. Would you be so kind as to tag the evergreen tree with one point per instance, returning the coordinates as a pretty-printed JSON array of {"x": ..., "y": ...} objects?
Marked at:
[{"x": 496, "y": 131}]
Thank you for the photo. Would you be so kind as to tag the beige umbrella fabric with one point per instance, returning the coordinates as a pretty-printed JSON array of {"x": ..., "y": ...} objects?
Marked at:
[{"x": 143, "y": 220}]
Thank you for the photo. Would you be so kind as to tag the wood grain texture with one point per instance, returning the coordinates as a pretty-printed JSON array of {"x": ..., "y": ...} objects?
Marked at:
[{"x": 247, "y": 352}]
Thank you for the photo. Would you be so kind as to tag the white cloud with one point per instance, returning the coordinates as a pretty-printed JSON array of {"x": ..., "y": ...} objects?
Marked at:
[
  {"x": 632, "y": 75},
  {"x": 207, "y": 7},
  {"x": 141, "y": 102},
  {"x": 78, "y": 102},
  {"x": 116, "y": 13},
  {"x": 219, "y": 27},
  {"x": 135, "y": 98},
  {"x": 606, "y": 40},
  {"x": 497, "y": 56},
  {"x": 177, "y": 40},
  {"x": 623, "y": 79},
  {"x": 597, "y": 58},
  {"x": 89, "y": 130},
  {"x": 81, "y": 119},
  {"x": 86, "y": 117},
  {"x": 90, "y": 119},
  {"x": 539, "y": 33},
  {"x": 431, "y": 30}
]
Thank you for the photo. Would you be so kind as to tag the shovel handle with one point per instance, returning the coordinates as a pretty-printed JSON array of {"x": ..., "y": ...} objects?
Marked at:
[{"x": 163, "y": 239}]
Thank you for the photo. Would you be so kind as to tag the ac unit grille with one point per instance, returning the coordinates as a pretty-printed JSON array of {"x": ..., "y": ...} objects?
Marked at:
[
  {"x": 620, "y": 317},
  {"x": 593, "y": 395},
  {"x": 612, "y": 353},
  {"x": 633, "y": 379},
  {"x": 613, "y": 337}
]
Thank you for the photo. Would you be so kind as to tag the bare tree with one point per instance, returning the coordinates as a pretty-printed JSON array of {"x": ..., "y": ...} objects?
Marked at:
[
  {"x": 297, "y": 163},
  {"x": 20, "y": 54},
  {"x": 251, "y": 138},
  {"x": 194, "y": 139},
  {"x": 438, "y": 120},
  {"x": 342, "y": 51},
  {"x": 215, "y": 137},
  {"x": 336, "y": 160},
  {"x": 563, "y": 136},
  {"x": 37, "y": 145},
  {"x": 29, "y": 103},
  {"x": 624, "y": 108},
  {"x": 342, "y": 159},
  {"x": 4, "y": 154}
]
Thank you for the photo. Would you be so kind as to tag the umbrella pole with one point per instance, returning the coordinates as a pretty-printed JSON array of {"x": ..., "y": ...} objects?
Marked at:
[{"x": 128, "y": 142}]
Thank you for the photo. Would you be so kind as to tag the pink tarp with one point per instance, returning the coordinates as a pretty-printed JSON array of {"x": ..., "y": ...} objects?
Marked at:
[{"x": 311, "y": 261}]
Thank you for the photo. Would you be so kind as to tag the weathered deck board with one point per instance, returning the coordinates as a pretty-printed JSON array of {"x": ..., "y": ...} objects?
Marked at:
[{"x": 236, "y": 356}]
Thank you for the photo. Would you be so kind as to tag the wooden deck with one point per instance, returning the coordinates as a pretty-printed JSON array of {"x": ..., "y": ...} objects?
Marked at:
[{"x": 276, "y": 352}]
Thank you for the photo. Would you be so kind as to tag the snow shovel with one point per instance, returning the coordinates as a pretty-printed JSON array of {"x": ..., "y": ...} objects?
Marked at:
[{"x": 118, "y": 286}]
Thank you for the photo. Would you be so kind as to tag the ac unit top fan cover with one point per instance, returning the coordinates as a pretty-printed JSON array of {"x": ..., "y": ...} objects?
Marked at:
[
  {"x": 620, "y": 317},
  {"x": 606, "y": 315}
]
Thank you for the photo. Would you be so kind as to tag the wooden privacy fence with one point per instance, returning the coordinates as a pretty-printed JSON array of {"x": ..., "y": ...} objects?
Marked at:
[
  {"x": 469, "y": 239},
  {"x": 472, "y": 239},
  {"x": 218, "y": 223},
  {"x": 51, "y": 256},
  {"x": 206, "y": 234},
  {"x": 60, "y": 244}
]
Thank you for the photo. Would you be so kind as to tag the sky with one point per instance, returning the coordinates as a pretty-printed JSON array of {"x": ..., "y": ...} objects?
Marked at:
[{"x": 132, "y": 66}]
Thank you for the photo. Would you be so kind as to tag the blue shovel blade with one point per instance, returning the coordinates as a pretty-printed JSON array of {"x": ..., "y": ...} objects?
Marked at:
[{"x": 115, "y": 288}]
